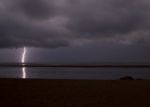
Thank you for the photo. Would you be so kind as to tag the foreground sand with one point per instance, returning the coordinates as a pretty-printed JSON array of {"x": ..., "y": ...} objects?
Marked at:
[{"x": 74, "y": 93}]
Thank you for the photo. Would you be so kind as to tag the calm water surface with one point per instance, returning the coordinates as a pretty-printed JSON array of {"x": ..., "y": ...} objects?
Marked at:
[{"x": 73, "y": 73}]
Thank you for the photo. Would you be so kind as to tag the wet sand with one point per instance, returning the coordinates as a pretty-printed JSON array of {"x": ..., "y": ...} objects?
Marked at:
[{"x": 74, "y": 93}]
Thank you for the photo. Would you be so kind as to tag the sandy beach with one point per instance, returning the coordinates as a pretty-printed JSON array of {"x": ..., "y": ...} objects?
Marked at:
[{"x": 74, "y": 93}]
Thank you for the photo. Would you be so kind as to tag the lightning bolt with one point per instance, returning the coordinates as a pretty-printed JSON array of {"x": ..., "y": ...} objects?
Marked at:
[
  {"x": 23, "y": 61},
  {"x": 23, "y": 55}
]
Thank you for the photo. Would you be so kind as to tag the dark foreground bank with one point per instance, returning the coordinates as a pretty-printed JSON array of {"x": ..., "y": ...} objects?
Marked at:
[{"x": 74, "y": 93}]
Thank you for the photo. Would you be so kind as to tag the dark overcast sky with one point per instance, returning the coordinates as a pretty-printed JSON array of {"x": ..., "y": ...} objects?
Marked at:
[{"x": 75, "y": 30}]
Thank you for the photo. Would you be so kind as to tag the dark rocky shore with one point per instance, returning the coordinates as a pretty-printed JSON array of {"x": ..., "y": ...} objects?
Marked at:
[{"x": 74, "y": 93}]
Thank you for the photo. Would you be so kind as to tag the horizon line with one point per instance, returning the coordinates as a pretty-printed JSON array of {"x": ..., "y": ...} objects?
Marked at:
[{"x": 73, "y": 65}]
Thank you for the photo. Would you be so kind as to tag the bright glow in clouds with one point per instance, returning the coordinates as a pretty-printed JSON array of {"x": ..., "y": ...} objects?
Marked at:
[{"x": 23, "y": 61}]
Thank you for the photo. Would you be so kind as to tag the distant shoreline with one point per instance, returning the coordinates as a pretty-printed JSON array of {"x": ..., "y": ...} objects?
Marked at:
[{"x": 76, "y": 65}]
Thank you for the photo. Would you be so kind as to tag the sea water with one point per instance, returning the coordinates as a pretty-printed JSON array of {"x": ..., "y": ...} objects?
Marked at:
[{"x": 73, "y": 73}]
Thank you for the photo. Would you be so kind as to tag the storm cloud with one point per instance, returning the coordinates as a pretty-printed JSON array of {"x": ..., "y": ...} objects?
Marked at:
[{"x": 60, "y": 23}]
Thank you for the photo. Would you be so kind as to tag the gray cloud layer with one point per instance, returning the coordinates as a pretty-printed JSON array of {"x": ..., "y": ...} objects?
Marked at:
[{"x": 57, "y": 23}]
